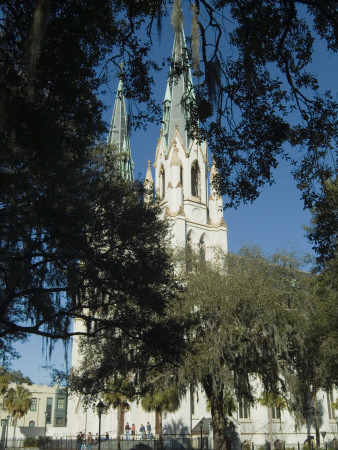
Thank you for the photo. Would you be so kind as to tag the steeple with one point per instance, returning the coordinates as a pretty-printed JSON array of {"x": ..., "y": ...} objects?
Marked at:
[
  {"x": 119, "y": 134},
  {"x": 179, "y": 93},
  {"x": 149, "y": 178}
]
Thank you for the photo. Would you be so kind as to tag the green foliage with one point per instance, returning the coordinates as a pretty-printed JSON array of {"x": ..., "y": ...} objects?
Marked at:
[
  {"x": 317, "y": 365},
  {"x": 245, "y": 312},
  {"x": 17, "y": 377},
  {"x": 246, "y": 445},
  {"x": 18, "y": 401},
  {"x": 229, "y": 403},
  {"x": 165, "y": 399},
  {"x": 119, "y": 392},
  {"x": 134, "y": 314},
  {"x": 323, "y": 232},
  {"x": 11, "y": 376},
  {"x": 41, "y": 441},
  {"x": 30, "y": 442},
  {"x": 50, "y": 180},
  {"x": 4, "y": 380},
  {"x": 270, "y": 399},
  {"x": 242, "y": 313}
]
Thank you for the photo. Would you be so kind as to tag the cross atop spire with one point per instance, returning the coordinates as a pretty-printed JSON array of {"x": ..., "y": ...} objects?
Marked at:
[
  {"x": 119, "y": 134},
  {"x": 179, "y": 93}
]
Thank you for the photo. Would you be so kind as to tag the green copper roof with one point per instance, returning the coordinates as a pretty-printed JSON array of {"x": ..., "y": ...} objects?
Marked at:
[
  {"x": 119, "y": 134},
  {"x": 179, "y": 93}
]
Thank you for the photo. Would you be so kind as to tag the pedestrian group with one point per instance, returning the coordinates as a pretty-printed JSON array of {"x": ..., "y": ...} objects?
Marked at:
[
  {"x": 145, "y": 431},
  {"x": 86, "y": 442}
]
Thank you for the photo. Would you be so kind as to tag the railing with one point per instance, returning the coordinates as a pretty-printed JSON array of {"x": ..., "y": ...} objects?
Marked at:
[{"x": 170, "y": 442}]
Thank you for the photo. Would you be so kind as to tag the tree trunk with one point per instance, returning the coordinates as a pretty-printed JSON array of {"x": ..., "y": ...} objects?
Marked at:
[
  {"x": 316, "y": 418},
  {"x": 14, "y": 429},
  {"x": 217, "y": 412},
  {"x": 34, "y": 42},
  {"x": 118, "y": 436},
  {"x": 270, "y": 427},
  {"x": 160, "y": 433}
]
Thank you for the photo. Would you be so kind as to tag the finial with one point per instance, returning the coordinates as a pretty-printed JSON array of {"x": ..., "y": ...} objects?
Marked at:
[
  {"x": 149, "y": 178},
  {"x": 121, "y": 65}
]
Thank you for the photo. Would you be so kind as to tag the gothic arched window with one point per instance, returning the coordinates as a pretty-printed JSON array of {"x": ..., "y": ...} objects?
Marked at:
[
  {"x": 203, "y": 250},
  {"x": 189, "y": 252},
  {"x": 162, "y": 182},
  {"x": 195, "y": 179}
]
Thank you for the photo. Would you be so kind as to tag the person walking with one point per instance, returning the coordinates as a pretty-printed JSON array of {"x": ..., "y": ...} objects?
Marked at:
[
  {"x": 79, "y": 440},
  {"x": 83, "y": 441},
  {"x": 142, "y": 431},
  {"x": 133, "y": 431},
  {"x": 148, "y": 430},
  {"x": 127, "y": 430},
  {"x": 90, "y": 441}
]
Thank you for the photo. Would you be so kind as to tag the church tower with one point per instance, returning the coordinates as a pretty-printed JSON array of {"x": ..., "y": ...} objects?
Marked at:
[
  {"x": 118, "y": 139},
  {"x": 181, "y": 182},
  {"x": 80, "y": 418},
  {"x": 181, "y": 167}
]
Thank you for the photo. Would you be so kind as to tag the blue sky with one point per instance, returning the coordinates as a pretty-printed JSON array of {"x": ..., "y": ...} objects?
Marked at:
[{"x": 274, "y": 222}]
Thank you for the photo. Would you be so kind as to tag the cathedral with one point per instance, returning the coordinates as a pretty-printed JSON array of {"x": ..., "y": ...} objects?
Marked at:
[{"x": 182, "y": 175}]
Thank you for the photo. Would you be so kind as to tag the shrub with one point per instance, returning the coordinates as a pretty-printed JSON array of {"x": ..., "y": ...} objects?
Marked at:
[
  {"x": 30, "y": 442},
  {"x": 246, "y": 445}
]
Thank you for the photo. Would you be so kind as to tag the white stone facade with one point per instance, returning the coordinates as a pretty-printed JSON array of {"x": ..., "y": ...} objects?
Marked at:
[{"x": 182, "y": 186}]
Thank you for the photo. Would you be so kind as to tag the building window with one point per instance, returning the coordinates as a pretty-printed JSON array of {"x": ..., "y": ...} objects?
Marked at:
[
  {"x": 203, "y": 249},
  {"x": 181, "y": 175},
  {"x": 162, "y": 183},
  {"x": 34, "y": 403},
  {"x": 49, "y": 406},
  {"x": 60, "y": 403},
  {"x": 189, "y": 252},
  {"x": 60, "y": 421},
  {"x": 195, "y": 179},
  {"x": 243, "y": 409},
  {"x": 31, "y": 424},
  {"x": 275, "y": 412}
]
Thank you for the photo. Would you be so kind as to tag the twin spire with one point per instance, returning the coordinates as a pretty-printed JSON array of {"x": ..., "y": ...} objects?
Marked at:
[
  {"x": 118, "y": 136},
  {"x": 178, "y": 97}
]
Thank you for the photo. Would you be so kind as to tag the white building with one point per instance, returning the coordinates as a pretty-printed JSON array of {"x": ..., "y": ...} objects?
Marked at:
[
  {"x": 182, "y": 182},
  {"x": 48, "y": 413}
]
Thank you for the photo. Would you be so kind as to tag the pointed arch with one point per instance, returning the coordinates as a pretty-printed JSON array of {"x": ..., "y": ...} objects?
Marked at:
[
  {"x": 203, "y": 248},
  {"x": 195, "y": 179},
  {"x": 191, "y": 238},
  {"x": 190, "y": 248},
  {"x": 162, "y": 182}
]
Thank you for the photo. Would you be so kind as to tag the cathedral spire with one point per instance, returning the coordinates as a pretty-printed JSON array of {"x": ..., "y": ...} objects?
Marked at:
[
  {"x": 119, "y": 134},
  {"x": 179, "y": 93}
]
